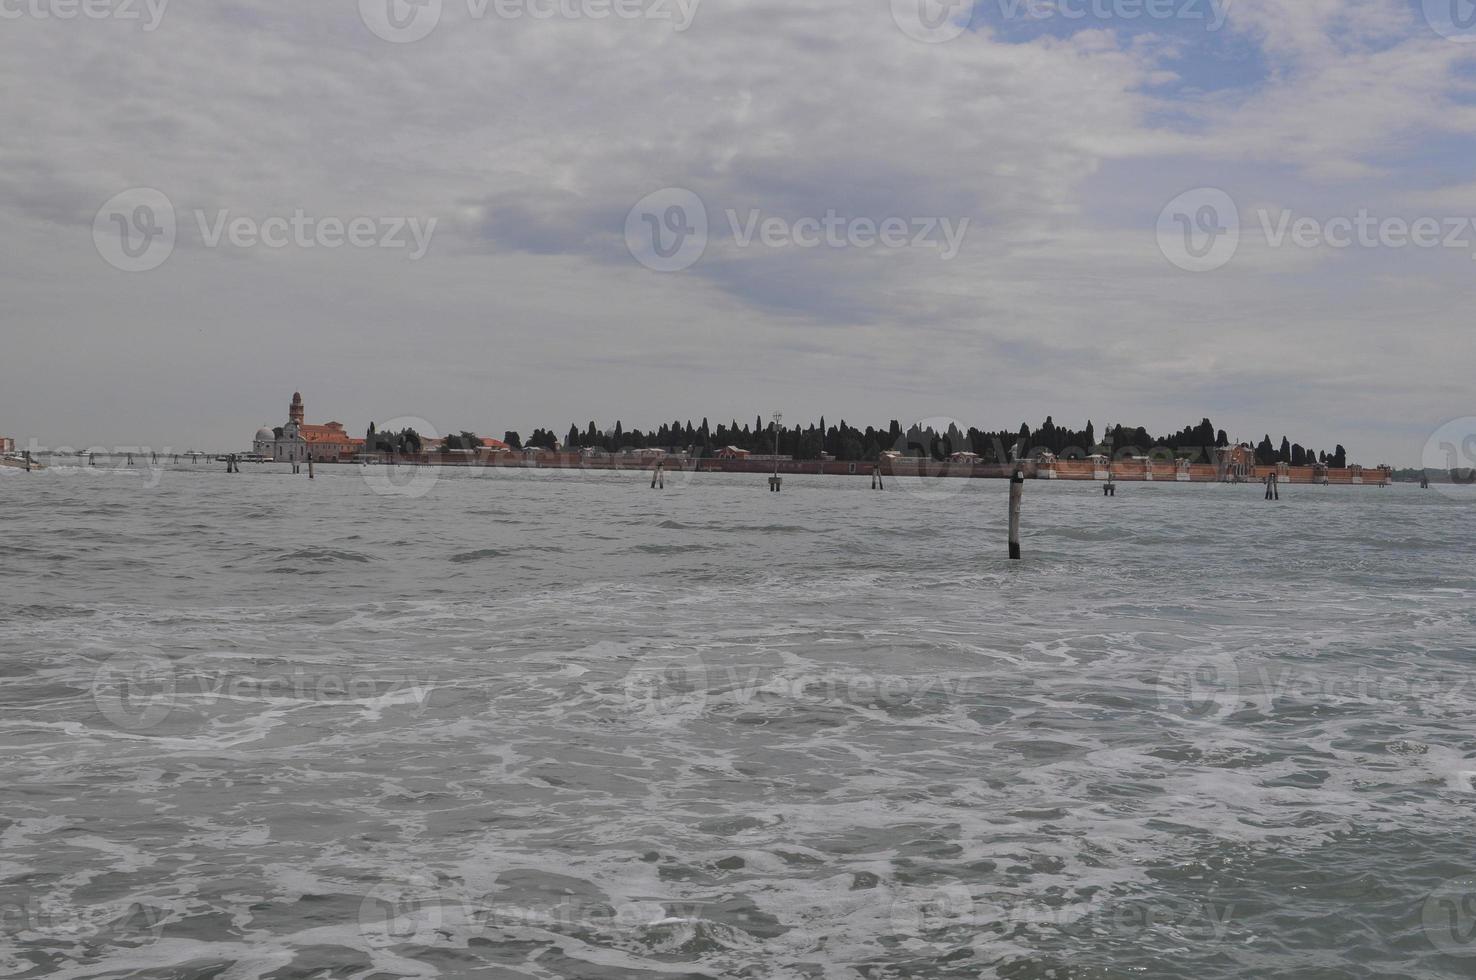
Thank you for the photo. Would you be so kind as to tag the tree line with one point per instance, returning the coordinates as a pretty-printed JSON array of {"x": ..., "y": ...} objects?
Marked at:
[{"x": 843, "y": 441}]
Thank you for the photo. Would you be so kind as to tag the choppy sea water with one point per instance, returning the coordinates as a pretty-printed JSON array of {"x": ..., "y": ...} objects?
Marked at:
[{"x": 565, "y": 726}]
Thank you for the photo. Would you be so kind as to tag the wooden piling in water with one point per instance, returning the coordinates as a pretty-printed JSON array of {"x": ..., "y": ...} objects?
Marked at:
[
  {"x": 1273, "y": 489},
  {"x": 1017, "y": 494},
  {"x": 310, "y": 468}
]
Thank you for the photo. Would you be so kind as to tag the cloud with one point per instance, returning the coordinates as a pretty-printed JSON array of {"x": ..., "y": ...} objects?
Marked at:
[{"x": 530, "y": 140}]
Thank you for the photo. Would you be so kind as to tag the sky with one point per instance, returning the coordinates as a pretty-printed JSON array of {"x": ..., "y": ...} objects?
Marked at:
[{"x": 502, "y": 214}]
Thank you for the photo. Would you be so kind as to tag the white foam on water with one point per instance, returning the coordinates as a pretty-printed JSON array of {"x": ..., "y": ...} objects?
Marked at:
[{"x": 759, "y": 755}]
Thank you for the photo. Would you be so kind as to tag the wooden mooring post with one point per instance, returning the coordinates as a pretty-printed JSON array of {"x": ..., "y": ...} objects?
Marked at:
[
  {"x": 310, "y": 468},
  {"x": 1273, "y": 488},
  {"x": 1017, "y": 494},
  {"x": 658, "y": 476},
  {"x": 876, "y": 479}
]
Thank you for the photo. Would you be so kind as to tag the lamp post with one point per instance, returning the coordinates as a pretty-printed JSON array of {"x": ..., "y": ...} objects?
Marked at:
[
  {"x": 775, "y": 481},
  {"x": 778, "y": 417}
]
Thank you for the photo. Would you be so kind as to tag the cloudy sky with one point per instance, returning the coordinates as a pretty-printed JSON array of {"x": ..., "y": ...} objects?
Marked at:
[{"x": 1136, "y": 211}]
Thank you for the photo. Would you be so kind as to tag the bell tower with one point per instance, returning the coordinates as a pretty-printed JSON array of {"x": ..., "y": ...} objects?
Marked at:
[{"x": 294, "y": 412}]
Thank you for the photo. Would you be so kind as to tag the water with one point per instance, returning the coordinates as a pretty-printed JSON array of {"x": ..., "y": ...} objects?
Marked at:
[{"x": 562, "y": 725}]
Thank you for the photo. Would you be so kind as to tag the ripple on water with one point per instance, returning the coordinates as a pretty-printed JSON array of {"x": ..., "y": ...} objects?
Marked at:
[{"x": 859, "y": 745}]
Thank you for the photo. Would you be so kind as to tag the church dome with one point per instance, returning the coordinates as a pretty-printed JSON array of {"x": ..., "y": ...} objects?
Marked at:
[{"x": 265, "y": 435}]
